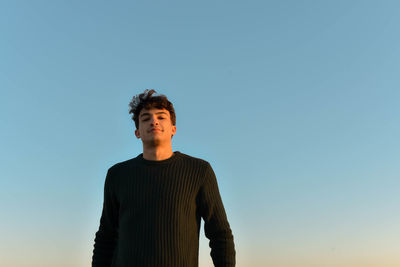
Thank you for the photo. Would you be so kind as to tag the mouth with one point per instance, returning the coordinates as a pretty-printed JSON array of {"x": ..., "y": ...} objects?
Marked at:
[{"x": 155, "y": 130}]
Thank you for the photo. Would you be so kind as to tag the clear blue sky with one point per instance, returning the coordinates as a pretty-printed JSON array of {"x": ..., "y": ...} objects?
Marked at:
[{"x": 294, "y": 103}]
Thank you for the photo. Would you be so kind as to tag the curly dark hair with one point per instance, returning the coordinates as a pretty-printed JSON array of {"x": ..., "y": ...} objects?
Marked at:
[{"x": 146, "y": 100}]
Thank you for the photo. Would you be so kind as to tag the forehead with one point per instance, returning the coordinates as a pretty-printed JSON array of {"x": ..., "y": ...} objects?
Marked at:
[{"x": 152, "y": 111}]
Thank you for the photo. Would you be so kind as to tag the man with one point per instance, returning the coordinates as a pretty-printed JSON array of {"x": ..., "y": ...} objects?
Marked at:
[{"x": 153, "y": 203}]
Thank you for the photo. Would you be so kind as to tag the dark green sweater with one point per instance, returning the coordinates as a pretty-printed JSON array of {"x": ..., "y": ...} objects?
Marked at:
[{"x": 152, "y": 213}]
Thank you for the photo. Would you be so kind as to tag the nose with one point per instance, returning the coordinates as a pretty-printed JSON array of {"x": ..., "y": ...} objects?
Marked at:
[{"x": 154, "y": 120}]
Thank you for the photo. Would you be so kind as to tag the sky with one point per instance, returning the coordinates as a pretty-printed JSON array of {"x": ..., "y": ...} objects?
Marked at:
[{"x": 293, "y": 103}]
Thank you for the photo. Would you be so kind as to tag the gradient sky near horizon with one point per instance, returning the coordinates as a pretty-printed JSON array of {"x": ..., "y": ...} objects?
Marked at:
[{"x": 294, "y": 103}]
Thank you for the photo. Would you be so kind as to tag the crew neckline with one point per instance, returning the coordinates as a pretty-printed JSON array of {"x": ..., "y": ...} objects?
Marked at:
[{"x": 174, "y": 157}]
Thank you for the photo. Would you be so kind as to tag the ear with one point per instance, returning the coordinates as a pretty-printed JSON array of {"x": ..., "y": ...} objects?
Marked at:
[
  {"x": 137, "y": 133},
  {"x": 173, "y": 129}
]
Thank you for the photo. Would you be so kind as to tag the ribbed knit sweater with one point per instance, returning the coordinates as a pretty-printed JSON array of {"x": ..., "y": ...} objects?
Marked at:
[{"x": 152, "y": 214}]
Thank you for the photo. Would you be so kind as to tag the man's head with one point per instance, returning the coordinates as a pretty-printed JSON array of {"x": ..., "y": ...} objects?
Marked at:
[{"x": 154, "y": 117}]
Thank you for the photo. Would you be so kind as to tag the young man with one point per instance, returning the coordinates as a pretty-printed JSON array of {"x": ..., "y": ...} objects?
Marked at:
[{"x": 153, "y": 203}]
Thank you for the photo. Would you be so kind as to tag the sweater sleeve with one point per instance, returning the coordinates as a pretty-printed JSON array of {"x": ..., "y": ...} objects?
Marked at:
[
  {"x": 106, "y": 236},
  {"x": 216, "y": 225}
]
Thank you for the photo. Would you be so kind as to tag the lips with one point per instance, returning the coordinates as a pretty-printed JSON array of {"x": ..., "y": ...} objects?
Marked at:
[{"x": 155, "y": 130}]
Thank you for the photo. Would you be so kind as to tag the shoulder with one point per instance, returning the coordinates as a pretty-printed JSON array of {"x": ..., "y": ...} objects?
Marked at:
[
  {"x": 122, "y": 166},
  {"x": 188, "y": 159},
  {"x": 198, "y": 165}
]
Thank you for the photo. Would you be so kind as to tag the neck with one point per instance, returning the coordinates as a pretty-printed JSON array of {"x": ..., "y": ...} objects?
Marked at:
[{"x": 157, "y": 153}]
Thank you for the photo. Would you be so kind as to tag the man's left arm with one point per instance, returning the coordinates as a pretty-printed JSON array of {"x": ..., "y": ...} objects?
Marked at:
[{"x": 216, "y": 225}]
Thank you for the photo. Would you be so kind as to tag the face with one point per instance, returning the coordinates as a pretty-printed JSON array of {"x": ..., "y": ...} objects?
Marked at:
[{"x": 155, "y": 127}]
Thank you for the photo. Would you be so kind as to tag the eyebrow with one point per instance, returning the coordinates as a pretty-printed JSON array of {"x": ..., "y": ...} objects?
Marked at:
[{"x": 146, "y": 113}]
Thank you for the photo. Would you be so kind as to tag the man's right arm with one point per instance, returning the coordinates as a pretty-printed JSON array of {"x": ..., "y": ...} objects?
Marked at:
[{"x": 106, "y": 236}]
